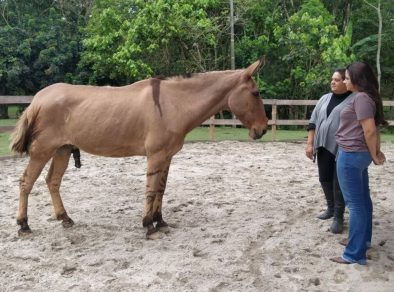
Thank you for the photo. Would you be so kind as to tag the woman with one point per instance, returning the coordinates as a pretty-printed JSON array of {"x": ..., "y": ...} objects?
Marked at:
[
  {"x": 321, "y": 142},
  {"x": 359, "y": 145}
]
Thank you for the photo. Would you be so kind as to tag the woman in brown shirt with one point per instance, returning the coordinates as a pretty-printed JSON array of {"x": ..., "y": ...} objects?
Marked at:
[{"x": 359, "y": 144}]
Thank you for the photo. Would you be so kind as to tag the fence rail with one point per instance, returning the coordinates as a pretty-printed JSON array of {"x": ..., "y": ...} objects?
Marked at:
[{"x": 212, "y": 122}]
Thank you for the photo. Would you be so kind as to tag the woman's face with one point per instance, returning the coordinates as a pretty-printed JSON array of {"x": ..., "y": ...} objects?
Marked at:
[
  {"x": 337, "y": 84},
  {"x": 349, "y": 85}
]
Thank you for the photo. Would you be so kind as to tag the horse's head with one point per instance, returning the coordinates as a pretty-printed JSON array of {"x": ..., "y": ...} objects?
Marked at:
[{"x": 245, "y": 102}]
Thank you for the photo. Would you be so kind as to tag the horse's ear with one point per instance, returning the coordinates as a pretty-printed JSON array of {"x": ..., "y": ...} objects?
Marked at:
[{"x": 255, "y": 67}]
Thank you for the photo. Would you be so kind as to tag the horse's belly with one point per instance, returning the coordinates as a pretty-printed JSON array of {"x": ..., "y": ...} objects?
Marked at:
[
  {"x": 110, "y": 149},
  {"x": 113, "y": 152}
]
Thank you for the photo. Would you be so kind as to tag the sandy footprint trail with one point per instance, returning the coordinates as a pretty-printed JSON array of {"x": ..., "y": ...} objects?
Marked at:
[{"x": 242, "y": 218}]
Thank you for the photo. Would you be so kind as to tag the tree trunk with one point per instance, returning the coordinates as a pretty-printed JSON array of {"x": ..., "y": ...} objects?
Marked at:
[
  {"x": 346, "y": 15},
  {"x": 377, "y": 8},
  {"x": 285, "y": 9},
  {"x": 379, "y": 44}
]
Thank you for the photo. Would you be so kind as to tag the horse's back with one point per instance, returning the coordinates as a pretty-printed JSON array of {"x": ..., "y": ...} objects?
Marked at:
[
  {"x": 91, "y": 99},
  {"x": 109, "y": 121}
]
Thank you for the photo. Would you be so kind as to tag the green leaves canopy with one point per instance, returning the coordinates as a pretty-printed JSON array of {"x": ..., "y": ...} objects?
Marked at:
[
  {"x": 39, "y": 43},
  {"x": 117, "y": 42},
  {"x": 312, "y": 46},
  {"x": 130, "y": 40}
]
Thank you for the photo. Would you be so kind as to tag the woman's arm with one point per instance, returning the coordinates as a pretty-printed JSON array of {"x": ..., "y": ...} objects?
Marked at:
[
  {"x": 372, "y": 139},
  {"x": 313, "y": 121},
  {"x": 309, "y": 144},
  {"x": 380, "y": 154}
]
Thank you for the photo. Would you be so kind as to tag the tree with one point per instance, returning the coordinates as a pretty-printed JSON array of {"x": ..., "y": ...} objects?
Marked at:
[
  {"x": 39, "y": 43},
  {"x": 311, "y": 47},
  {"x": 129, "y": 40},
  {"x": 366, "y": 35},
  {"x": 341, "y": 11},
  {"x": 379, "y": 36},
  {"x": 120, "y": 41}
]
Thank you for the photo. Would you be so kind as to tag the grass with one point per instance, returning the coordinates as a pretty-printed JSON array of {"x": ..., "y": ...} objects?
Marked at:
[
  {"x": 4, "y": 144},
  {"x": 8, "y": 122},
  {"x": 241, "y": 134},
  {"x": 202, "y": 134},
  {"x": 4, "y": 137}
]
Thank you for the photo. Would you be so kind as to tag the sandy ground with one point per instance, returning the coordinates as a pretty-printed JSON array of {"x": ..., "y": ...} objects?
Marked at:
[{"x": 242, "y": 218}]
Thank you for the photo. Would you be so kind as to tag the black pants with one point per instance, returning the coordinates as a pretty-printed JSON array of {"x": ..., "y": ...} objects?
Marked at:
[
  {"x": 328, "y": 175},
  {"x": 326, "y": 165}
]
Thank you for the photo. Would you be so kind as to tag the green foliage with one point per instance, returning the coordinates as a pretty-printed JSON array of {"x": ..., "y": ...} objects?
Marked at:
[
  {"x": 117, "y": 42},
  {"x": 338, "y": 54},
  {"x": 39, "y": 43},
  {"x": 365, "y": 35},
  {"x": 130, "y": 40},
  {"x": 312, "y": 47}
]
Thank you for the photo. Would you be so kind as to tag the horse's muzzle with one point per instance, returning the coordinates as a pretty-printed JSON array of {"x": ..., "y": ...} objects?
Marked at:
[{"x": 257, "y": 134}]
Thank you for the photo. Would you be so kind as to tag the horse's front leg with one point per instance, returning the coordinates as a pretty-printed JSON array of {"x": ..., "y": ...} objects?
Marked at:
[
  {"x": 157, "y": 204},
  {"x": 156, "y": 178}
]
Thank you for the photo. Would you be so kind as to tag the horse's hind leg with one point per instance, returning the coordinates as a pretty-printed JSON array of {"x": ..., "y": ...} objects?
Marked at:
[
  {"x": 56, "y": 171},
  {"x": 157, "y": 204},
  {"x": 30, "y": 175}
]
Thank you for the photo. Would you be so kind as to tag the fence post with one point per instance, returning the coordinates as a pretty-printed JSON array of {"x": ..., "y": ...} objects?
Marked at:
[{"x": 274, "y": 118}]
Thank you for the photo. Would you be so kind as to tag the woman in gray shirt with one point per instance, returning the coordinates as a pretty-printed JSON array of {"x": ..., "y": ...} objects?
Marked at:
[{"x": 321, "y": 143}]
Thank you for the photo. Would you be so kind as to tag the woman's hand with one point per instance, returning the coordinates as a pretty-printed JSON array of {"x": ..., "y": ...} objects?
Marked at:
[
  {"x": 380, "y": 158},
  {"x": 309, "y": 151},
  {"x": 309, "y": 144},
  {"x": 373, "y": 141}
]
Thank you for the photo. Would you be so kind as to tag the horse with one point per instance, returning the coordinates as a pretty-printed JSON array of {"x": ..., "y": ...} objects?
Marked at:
[{"x": 147, "y": 118}]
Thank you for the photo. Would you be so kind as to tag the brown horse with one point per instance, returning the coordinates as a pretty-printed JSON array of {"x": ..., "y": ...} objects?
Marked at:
[{"x": 148, "y": 118}]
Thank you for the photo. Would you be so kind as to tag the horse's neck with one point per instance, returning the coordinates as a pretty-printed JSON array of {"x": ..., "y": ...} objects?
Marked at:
[{"x": 205, "y": 96}]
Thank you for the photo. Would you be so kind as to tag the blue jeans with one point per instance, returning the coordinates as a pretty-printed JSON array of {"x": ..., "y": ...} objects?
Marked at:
[{"x": 352, "y": 169}]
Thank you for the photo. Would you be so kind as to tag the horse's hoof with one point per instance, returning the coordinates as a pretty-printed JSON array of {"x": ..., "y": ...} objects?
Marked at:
[
  {"x": 153, "y": 236},
  {"x": 67, "y": 223},
  {"x": 162, "y": 227},
  {"x": 152, "y": 233},
  {"x": 25, "y": 231}
]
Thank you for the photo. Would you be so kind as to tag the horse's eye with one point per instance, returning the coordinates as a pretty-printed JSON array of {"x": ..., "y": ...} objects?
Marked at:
[{"x": 256, "y": 93}]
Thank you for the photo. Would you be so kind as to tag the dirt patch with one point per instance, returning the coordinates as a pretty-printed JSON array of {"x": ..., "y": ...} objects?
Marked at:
[{"x": 242, "y": 218}]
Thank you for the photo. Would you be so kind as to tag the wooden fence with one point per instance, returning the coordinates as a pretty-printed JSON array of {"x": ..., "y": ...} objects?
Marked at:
[
  {"x": 274, "y": 122},
  {"x": 212, "y": 122}
]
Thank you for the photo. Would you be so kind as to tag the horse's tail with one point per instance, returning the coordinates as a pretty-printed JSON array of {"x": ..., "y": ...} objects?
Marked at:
[{"x": 22, "y": 134}]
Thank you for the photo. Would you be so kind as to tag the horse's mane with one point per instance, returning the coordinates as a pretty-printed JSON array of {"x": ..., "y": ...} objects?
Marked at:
[
  {"x": 190, "y": 75},
  {"x": 176, "y": 77}
]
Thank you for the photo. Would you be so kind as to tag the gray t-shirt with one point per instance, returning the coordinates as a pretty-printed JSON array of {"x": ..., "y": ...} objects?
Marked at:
[{"x": 350, "y": 134}]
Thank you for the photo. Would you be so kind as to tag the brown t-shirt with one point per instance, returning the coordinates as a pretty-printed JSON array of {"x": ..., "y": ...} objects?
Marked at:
[{"x": 350, "y": 134}]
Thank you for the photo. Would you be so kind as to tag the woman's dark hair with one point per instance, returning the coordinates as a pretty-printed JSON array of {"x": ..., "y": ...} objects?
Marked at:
[
  {"x": 362, "y": 76},
  {"x": 341, "y": 72}
]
